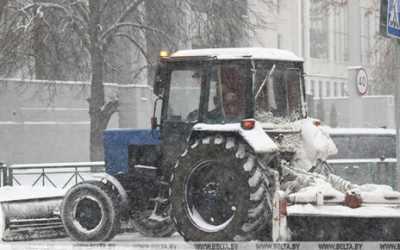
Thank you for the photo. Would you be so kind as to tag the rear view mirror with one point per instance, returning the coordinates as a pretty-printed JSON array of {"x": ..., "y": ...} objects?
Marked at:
[{"x": 158, "y": 80}]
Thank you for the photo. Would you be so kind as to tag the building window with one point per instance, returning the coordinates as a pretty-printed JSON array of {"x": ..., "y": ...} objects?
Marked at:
[
  {"x": 340, "y": 34},
  {"x": 318, "y": 33},
  {"x": 369, "y": 27},
  {"x": 328, "y": 89},
  {"x": 344, "y": 89},
  {"x": 321, "y": 89},
  {"x": 312, "y": 87},
  {"x": 335, "y": 89}
]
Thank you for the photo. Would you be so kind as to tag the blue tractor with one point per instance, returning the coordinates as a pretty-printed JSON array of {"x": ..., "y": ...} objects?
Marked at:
[{"x": 208, "y": 166}]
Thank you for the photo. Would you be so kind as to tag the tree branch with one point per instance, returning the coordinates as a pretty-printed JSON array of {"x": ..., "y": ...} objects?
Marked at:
[
  {"x": 128, "y": 10},
  {"x": 136, "y": 44},
  {"x": 110, "y": 108},
  {"x": 80, "y": 8},
  {"x": 85, "y": 40},
  {"x": 50, "y": 5},
  {"x": 118, "y": 25}
]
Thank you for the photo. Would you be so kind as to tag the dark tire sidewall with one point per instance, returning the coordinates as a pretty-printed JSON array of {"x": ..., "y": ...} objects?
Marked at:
[
  {"x": 108, "y": 203},
  {"x": 214, "y": 152}
]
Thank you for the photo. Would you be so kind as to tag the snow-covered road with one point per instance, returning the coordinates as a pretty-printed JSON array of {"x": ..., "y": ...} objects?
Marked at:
[
  {"x": 121, "y": 241},
  {"x": 133, "y": 241}
]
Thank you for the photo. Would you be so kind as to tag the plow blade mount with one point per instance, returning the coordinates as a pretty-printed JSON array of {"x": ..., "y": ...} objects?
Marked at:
[{"x": 30, "y": 219}]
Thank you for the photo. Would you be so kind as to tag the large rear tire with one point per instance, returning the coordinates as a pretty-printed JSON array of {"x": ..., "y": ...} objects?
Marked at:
[
  {"x": 90, "y": 212},
  {"x": 219, "y": 192}
]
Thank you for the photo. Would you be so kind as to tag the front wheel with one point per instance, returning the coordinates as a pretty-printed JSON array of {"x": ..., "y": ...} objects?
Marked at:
[
  {"x": 90, "y": 212},
  {"x": 219, "y": 192}
]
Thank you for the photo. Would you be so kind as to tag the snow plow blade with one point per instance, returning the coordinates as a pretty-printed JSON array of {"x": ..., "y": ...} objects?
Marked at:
[{"x": 37, "y": 218}]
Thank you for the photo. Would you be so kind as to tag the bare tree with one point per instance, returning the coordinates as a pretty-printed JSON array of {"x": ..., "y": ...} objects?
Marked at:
[
  {"x": 70, "y": 38},
  {"x": 221, "y": 23},
  {"x": 79, "y": 40},
  {"x": 382, "y": 49},
  {"x": 325, "y": 6}
]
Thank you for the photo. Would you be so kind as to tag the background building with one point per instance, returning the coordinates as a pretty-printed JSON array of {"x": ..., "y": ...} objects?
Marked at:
[
  {"x": 322, "y": 39},
  {"x": 34, "y": 130}
]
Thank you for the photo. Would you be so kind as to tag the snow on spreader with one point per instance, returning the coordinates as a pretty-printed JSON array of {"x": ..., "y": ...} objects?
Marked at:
[
  {"x": 327, "y": 207},
  {"x": 28, "y": 213}
]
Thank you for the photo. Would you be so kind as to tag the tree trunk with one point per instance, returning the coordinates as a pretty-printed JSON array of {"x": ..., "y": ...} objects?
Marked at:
[
  {"x": 100, "y": 112},
  {"x": 98, "y": 120}
]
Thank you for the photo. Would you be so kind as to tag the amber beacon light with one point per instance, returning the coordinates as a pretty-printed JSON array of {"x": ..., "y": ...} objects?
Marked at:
[{"x": 163, "y": 53}]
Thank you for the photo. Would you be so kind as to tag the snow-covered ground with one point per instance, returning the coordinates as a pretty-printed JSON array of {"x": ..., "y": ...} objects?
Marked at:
[
  {"x": 134, "y": 241},
  {"x": 122, "y": 241}
]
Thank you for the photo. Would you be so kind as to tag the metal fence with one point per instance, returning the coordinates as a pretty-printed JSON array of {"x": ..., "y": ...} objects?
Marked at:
[
  {"x": 55, "y": 174},
  {"x": 358, "y": 171},
  {"x": 363, "y": 171}
]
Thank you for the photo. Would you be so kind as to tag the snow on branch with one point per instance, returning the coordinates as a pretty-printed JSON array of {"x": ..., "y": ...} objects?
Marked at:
[
  {"x": 110, "y": 107},
  {"x": 80, "y": 7},
  {"x": 46, "y": 5}
]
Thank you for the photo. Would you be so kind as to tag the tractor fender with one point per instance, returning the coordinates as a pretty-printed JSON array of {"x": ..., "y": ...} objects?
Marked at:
[
  {"x": 256, "y": 137},
  {"x": 120, "y": 189}
]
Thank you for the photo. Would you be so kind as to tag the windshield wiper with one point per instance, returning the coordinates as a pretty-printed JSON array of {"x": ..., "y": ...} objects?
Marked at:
[{"x": 265, "y": 80}]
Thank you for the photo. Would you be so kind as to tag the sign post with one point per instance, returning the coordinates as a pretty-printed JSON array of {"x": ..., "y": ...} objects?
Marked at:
[
  {"x": 393, "y": 30},
  {"x": 355, "y": 98}
]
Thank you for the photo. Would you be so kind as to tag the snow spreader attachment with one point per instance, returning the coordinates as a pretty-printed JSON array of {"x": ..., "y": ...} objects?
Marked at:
[
  {"x": 29, "y": 213},
  {"x": 231, "y": 156},
  {"x": 326, "y": 207}
]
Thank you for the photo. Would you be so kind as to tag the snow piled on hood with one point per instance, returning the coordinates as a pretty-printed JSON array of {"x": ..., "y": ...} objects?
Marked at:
[{"x": 316, "y": 144}]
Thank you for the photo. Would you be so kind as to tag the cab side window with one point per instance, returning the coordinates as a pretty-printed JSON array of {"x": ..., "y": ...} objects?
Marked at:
[{"x": 184, "y": 95}]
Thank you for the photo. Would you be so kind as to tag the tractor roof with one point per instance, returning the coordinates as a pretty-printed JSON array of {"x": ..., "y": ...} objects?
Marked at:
[{"x": 237, "y": 53}]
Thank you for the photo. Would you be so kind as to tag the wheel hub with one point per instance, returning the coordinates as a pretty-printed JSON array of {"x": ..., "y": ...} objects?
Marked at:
[
  {"x": 87, "y": 214},
  {"x": 211, "y": 190}
]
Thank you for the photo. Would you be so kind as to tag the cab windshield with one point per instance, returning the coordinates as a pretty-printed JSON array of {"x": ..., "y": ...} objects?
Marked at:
[{"x": 277, "y": 90}]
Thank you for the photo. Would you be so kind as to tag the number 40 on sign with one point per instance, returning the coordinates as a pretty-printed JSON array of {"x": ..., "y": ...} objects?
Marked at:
[{"x": 362, "y": 81}]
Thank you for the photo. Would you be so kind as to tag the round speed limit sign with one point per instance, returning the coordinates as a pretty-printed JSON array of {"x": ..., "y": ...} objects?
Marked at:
[{"x": 362, "y": 81}]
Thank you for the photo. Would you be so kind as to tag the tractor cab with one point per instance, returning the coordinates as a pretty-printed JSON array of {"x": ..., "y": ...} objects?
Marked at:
[
  {"x": 225, "y": 86},
  {"x": 218, "y": 86}
]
